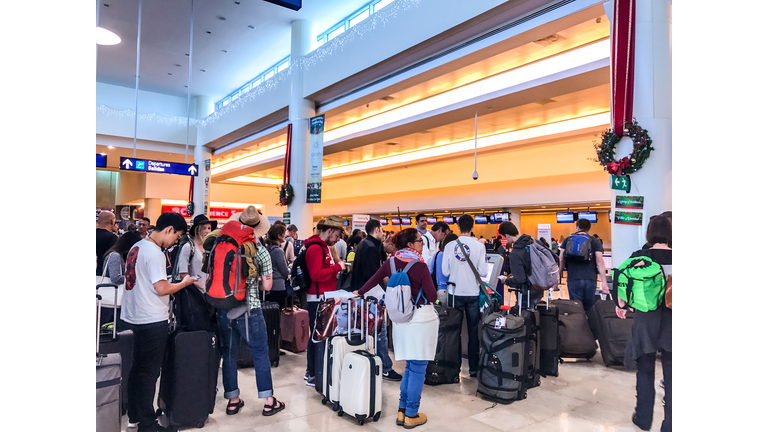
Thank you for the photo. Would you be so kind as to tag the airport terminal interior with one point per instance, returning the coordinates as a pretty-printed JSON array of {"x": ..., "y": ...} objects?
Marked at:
[{"x": 386, "y": 110}]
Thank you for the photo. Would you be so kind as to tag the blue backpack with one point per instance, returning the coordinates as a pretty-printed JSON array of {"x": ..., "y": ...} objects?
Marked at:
[
  {"x": 579, "y": 248},
  {"x": 398, "y": 298}
]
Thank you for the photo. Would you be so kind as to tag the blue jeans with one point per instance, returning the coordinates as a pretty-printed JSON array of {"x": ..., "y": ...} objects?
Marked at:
[
  {"x": 231, "y": 331},
  {"x": 411, "y": 386},
  {"x": 471, "y": 308},
  {"x": 382, "y": 348},
  {"x": 583, "y": 290}
]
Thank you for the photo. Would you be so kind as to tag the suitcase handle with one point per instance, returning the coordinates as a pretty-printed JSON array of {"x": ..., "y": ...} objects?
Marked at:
[{"x": 114, "y": 314}]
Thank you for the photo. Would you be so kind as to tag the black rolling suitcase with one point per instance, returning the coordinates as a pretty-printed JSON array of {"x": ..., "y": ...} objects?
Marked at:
[
  {"x": 576, "y": 339},
  {"x": 109, "y": 381},
  {"x": 532, "y": 322},
  {"x": 549, "y": 339},
  {"x": 189, "y": 375},
  {"x": 271, "y": 313},
  {"x": 119, "y": 343},
  {"x": 446, "y": 367},
  {"x": 612, "y": 331}
]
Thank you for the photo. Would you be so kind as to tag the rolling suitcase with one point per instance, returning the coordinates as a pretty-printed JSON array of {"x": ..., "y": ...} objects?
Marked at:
[
  {"x": 188, "y": 381},
  {"x": 361, "y": 375},
  {"x": 294, "y": 328},
  {"x": 271, "y": 312},
  {"x": 576, "y": 339},
  {"x": 119, "y": 342},
  {"x": 532, "y": 322},
  {"x": 446, "y": 367},
  {"x": 336, "y": 348},
  {"x": 549, "y": 339},
  {"x": 612, "y": 331},
  {"x": 108, "y": 382},
  {"x": 502, "y": 375}
]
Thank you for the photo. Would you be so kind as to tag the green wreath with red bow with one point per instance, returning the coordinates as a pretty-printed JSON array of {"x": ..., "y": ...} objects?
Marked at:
[
  {"x": 641, "y": 149},
  {"x": 286, "y": 194}
]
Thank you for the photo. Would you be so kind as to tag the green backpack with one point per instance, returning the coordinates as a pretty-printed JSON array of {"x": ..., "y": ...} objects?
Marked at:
[{"x": 641, "y": 283}]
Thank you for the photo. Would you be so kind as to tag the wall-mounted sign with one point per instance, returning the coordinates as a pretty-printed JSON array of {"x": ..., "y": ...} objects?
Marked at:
[
  {"x": 315, "y": 163},
  {"x": 545, "y": 230},
  {"x": 133, "y": 164},
  {"x": 215, "y": 212},
  {"x": 629, "y": 202},
  {"x": 287, "y": 214},
  {"x": 290, "y": 4},
  {"x": 629, "y": 218},
  {"x": 620, "y": 182},
  {"x": 101, "y": 161},
  {"x": 273, "y": 219}
]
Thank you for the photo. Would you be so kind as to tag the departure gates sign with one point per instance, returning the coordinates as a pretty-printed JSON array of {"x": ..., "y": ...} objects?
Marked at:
[{"x": 133, "y": 164}]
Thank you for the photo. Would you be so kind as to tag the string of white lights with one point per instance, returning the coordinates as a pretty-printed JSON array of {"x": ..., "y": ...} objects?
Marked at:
[{"x": 306, "y": 63}]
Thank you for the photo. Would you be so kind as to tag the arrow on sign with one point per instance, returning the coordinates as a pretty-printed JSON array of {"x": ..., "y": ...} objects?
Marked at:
[
  {"x": 192, "y": 170},
  {"x": 616, "y": 182},
  {"x": 127, "y": 163}
]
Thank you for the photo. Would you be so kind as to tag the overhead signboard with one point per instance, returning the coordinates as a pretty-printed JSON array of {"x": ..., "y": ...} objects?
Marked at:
[
  {"x": 101, "y": 161},
  {"x": 133, "y": 164},
  {"x": 290, "y": 4},
  {"x": 215, "y": 212}
]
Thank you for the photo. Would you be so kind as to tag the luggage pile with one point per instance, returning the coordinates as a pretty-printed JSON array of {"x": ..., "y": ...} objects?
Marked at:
[{"x": 348, "y": 372}]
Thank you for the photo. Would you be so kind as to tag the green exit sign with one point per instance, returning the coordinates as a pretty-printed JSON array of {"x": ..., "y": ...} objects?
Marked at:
[{"x": 620, "y": 182}]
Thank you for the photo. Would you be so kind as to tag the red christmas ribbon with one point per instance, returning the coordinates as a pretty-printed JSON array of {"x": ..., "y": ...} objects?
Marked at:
[
  {"x": 287, "y": 165},
  {"x": 618, "y": 167},
  {"x": 622, "y": 63}
]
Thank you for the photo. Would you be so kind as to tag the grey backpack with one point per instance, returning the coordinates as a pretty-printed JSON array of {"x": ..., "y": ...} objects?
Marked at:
[{"x": 545, "y": 272}]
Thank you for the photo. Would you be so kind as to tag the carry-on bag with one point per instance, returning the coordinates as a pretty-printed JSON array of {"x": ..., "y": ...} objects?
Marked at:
[
  {"x": 533, "y": 330},
  {"x": 188, "y": 382},
  {"x": 612, "y": 331},
  {"x": 361, "y": 375},
  {"x": 294, "y": 328},
  {"x": 576, "y": 338},
  {"x": 336, "y": 347},
  {"x": 108, "y": 380},
  {"x": 549, "y": 338},
  {"x": 118, "y": 342},
  {"x": 502, "y": 375},
  {"x": 446, "y": 367},
  {"x": 271, "y": 313}
]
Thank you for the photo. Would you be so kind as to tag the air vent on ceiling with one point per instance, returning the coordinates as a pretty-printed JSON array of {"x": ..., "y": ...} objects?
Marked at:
[
  {"x": 221, "y": 18},
  {"x": 549, "y": 40}
]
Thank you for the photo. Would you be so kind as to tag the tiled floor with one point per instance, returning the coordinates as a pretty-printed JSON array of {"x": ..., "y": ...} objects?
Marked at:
[{"x": 586, "y": 396}]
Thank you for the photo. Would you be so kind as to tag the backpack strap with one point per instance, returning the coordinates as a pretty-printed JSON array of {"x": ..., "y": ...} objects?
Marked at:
[
  {"x": 392, "y": 265},
  {"x": 409, "y": 265}
]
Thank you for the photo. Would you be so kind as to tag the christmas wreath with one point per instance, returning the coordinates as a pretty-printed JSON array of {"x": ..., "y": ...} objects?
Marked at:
[
  {"x": 641, "y": 149},
  {"x": 286, "y": 194}
]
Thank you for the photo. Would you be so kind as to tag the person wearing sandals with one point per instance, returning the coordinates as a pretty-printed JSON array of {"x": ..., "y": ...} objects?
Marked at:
[
  {"x": 233, "y": 330},
  {"x": 415, "y": 341}
]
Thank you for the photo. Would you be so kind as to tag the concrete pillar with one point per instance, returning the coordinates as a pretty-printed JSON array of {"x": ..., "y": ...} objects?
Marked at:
[
  {"x": 299, "y": 112},
  {"x": 514, "y": 217},
  {"x": 153, "y": 207},
  {"x": 653, "y": 111}
]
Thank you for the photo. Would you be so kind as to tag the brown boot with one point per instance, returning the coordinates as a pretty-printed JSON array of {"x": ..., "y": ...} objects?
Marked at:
[
  {"x": 400, "y": 417},
  {"x": 412, "y": 422}
]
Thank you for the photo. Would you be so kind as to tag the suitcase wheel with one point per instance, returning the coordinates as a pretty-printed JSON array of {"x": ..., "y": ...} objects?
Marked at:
[
  {"x": 200, "y": 424},
  {"x": 377, "y": 416},
  {"x": 360, "y": 419},
  {"x": 336, "y": 406},
  {"x": 525, "y": 395},
  {"x": 340, "y": 413},
  {"x": 159, "y": 412},
  {"x": 324, "y": 401}
]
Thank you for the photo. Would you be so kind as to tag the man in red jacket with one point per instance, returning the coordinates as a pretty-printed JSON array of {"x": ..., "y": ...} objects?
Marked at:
[{"x": 322, "y": 272}]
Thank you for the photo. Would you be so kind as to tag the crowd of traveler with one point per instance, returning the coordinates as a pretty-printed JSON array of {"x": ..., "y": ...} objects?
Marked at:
[{"x": 440, "y": 273}]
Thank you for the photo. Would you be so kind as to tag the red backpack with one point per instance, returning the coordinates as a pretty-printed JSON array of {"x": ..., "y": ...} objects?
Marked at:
[{"x": 225, "y": 288}]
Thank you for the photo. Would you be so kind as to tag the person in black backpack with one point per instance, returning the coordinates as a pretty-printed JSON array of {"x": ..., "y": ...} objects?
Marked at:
[
  {"x": 519, "y": 264},
  {"x": 581, "y": 255}
]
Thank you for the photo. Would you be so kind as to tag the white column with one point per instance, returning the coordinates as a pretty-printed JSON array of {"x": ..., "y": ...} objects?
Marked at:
[
  {"x": 203, "y": 107},
  {"x": 299, "y": 112},
  {"x": 653, "y": 111},
  {"x": 515, "y": 217}
]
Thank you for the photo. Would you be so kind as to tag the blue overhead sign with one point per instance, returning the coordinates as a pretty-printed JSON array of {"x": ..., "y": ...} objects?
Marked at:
[
  {"x": 133, "y": 164},
  {"x": 290, "y": 4},
  {"x": 101, "y": 161}
]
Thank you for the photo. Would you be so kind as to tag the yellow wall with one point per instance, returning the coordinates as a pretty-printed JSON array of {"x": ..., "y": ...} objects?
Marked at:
[{"x": 530, "y": 225}]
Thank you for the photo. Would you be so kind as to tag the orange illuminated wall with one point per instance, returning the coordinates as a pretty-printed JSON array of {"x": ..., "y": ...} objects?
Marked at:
[{"x": 530, "y": 225}]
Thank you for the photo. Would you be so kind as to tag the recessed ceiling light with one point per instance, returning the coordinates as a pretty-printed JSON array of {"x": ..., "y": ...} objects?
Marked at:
[
  {"x": 177, "y": 65},
  {"x": 170, "y": 73},
  {"x": 106, "y": 37},
  {"x": 223, "y": 51},
  {"x": 391, "y": 143},
  {"x": 111, "y": 147},
  {"x": 208, "y": 32},
  {"x": 237, "y": 2},
  {"x": 202, "y": 70},
  {"x": 187, "y": 54},
  {"x": 387, "y": 98},
  {"x": 251, "y": 27},
  {"x": 221, "y": 18},
  {"x": 185, "y": 86},
  {"x": 108, "y": 6}
]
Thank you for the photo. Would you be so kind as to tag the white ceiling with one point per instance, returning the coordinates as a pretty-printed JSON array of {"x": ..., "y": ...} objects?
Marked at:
[{"x": 165, "y": 41}]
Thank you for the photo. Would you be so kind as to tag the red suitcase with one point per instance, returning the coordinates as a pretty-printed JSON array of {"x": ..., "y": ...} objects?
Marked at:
[{"x": 294, "y": 324}]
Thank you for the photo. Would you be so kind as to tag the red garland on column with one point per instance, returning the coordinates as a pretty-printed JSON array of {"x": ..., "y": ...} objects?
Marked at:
[
  {"x": 623, "y": 64},
  {"x": 191, "y": 205},
  {"x": 623, "y": 86},
  {"x": 286, "y": 190}
]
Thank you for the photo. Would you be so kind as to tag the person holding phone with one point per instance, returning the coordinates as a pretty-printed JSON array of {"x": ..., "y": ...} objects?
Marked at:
[{"x": 191, "y": 260}]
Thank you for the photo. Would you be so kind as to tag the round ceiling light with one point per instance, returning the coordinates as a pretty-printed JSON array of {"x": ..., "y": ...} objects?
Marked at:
[{"x": 106, "y": 37}]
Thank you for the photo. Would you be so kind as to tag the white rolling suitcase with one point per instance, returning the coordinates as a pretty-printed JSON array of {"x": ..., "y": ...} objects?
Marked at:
[
  {"x": 336, "y": 348},
  {"x": 360, "y": 394}
]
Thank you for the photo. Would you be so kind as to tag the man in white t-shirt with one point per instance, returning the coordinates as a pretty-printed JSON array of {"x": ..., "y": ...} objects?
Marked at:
[
  {"x": 145, "y": 310},
  {"x": 432, "y": 240},
  {"x": 463, "y": 288}
]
